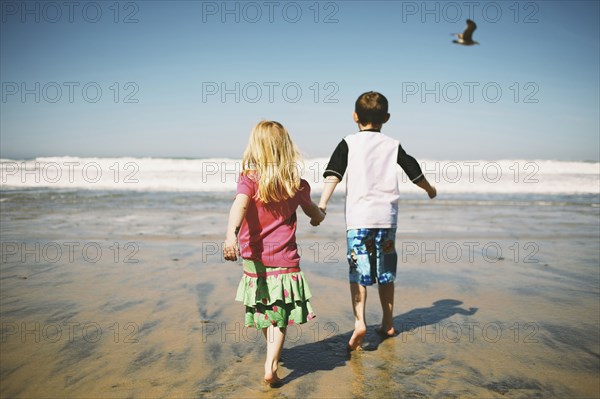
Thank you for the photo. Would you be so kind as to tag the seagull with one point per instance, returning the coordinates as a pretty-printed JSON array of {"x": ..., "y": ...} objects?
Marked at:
[{"x": 466, "y": 38}]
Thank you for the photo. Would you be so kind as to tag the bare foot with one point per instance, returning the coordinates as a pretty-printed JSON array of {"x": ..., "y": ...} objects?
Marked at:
[
  {"x": 271, "y": 378},
  {"x": 355, "y": 343},
  {"x": 273, "y": 381},
  {"x": 386, "y": 332}
]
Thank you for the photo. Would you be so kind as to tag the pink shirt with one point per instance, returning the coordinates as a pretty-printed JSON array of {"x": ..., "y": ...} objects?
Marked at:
[{"x": 268, "y": 232}]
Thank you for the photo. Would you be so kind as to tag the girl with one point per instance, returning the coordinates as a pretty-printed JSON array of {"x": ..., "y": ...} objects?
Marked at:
[{"x": 269, "y": 191}]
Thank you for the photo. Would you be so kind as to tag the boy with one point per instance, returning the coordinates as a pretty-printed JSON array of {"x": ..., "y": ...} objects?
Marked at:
[{"x": 369, "y": 160}]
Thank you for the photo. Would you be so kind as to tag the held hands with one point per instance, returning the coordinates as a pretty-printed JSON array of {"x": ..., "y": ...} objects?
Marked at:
[{"x": 316, "y": 220}]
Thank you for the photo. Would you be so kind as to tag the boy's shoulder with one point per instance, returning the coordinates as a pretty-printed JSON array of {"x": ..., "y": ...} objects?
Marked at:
[{"x": 370, "y": 136}]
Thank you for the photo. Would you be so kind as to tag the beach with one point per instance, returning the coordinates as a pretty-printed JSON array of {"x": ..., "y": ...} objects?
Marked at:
[
  {"x": 126, "y": 295},
  {"x": 112, "y": 294}
]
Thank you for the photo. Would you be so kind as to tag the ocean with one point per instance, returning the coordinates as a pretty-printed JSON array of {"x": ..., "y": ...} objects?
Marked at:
[{"x": 529, "y": 180}]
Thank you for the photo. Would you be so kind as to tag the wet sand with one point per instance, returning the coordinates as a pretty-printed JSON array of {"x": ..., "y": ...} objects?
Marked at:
[{"x": 491, "y": 301}]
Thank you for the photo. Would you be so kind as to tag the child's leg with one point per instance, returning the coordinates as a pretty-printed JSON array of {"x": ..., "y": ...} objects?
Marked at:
[
  {"x": 386, "y": 296},
  {"x": 359, "y": 249},
  {"x": 359, "y": 301},
  {"x": 275, "y": 338},
  {"x": 387, "y": 260}
]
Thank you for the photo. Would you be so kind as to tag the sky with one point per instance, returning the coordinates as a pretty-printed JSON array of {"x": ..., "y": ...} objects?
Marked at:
[{"x": 190, "y": 79}]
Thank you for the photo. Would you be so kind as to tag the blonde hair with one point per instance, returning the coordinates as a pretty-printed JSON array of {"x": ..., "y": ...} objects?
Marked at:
[{"x": 272, "y": 158}]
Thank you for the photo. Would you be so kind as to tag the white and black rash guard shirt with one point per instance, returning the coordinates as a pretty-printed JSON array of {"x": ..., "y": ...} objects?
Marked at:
[{"x": 369, "y": 160}]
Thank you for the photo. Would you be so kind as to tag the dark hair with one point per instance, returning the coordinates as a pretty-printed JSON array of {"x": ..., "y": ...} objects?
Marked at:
[{"x": 371, "y": 108}]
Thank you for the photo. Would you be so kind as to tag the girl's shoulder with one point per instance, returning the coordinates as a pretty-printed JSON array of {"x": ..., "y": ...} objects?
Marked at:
[{"x": 247, "y": 184}]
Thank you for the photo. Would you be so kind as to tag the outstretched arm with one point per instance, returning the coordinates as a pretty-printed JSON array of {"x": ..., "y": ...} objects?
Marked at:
[
  {"x": 329, "y": 186},
  {"x": 334, "y": 172},
  {"x": 413, "y": 171},
  {"x": 236, "y": 215}
]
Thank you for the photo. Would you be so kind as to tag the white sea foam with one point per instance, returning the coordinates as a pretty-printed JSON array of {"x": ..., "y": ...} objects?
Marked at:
[{"x": 221, "y": 174}]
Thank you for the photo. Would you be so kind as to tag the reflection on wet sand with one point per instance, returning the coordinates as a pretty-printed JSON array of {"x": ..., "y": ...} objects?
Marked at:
[{"x": 484, "y": 326}]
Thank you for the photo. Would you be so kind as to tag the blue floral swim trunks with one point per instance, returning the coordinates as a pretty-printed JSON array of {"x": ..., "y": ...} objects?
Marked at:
[{"x": 372, "y": 255}]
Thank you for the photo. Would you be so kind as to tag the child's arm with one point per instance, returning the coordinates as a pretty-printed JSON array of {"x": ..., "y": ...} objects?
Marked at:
[
  {"x": 413, "y": 171},
  {"x": 329, "y": 186},
  {"x": 315, "y": 213},
  {"x": 236, "y": 215},
  {"x": 424, "y": 184}
]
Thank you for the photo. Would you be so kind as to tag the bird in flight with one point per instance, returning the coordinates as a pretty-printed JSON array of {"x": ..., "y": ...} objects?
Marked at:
[{"x": 466, "y": 38}]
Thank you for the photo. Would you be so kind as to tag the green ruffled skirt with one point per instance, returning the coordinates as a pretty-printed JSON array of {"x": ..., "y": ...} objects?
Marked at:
[{"x": 277, "y": 296}]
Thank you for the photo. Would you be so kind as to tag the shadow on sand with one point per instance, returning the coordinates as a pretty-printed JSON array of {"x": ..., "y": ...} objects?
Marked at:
[{"x": 330, "y": 352}]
